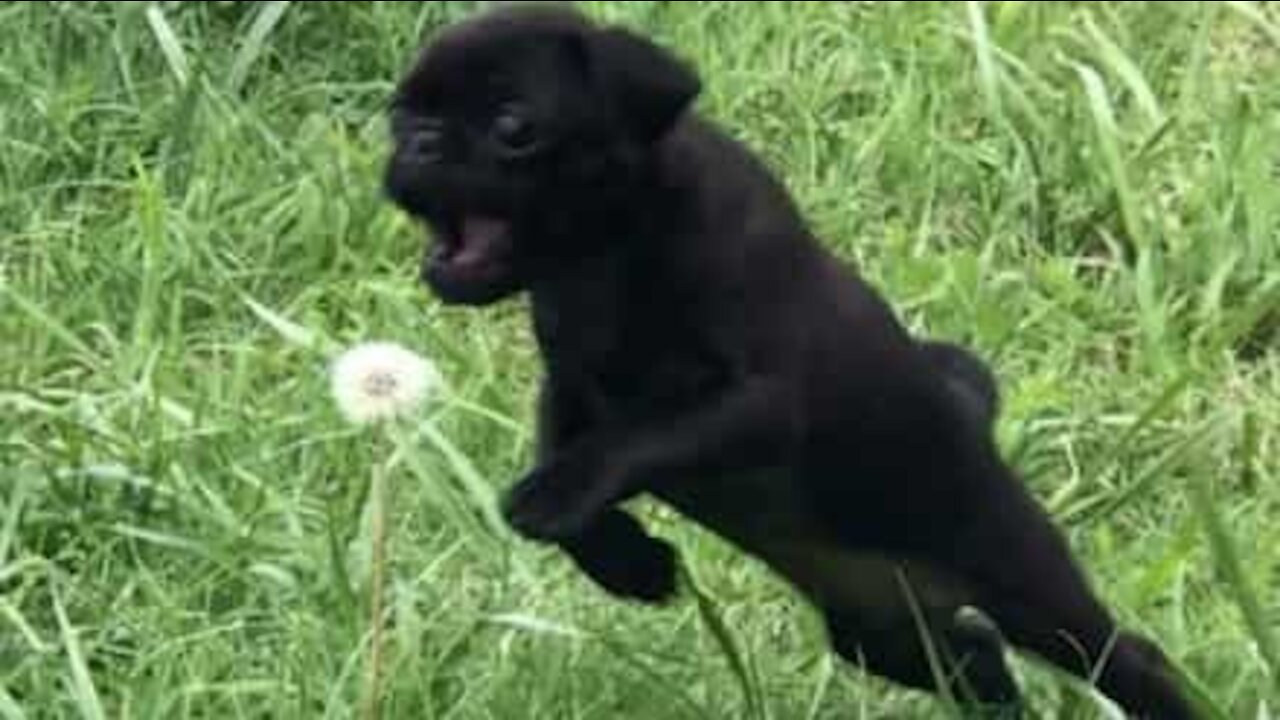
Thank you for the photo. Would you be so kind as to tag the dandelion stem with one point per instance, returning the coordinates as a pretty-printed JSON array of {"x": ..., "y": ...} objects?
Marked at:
[{"x": 377, "y": 569}]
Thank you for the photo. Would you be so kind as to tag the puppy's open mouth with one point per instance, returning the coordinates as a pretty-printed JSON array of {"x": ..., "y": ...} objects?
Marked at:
[
  {"x": 473, "y": 243},
  {"x": 471, "y": 259}
]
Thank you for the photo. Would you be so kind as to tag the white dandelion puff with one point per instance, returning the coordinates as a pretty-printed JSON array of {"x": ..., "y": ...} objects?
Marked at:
[{"x": 378, "y": 381}]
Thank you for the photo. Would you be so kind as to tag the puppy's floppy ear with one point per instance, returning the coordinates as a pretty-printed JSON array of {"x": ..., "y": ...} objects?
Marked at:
[{"x": 648, "y": 86}]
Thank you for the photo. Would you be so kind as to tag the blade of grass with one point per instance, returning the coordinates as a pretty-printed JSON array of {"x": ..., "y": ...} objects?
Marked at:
[
  {"x": 55, "y": 328},
  {"x": 482, "y": 494},
  {"x": 170, "y": 46},
  {"x": 1199, "y": 695},
  {"x": 1106, "y": 507},
  {"x": 159, "y": 539},
  {"x": 1162, "y": 403},
  {"x": 1254, "y": 15},
  {"x": 510, "y": 424},
  {"x": 1155, "y": 138},
  {"x": 85, "y": 694},
  {"x": 337, "y": 564},
  {"x": 988, "y": 78},
  {"x": 743, "y": 669},
  {"x": 940, "y": 675},
  {"x": 9, "y": 708},
  {"x": 1152, "y": 310},
  {"x": 1210, "y": 308},
  {"x": 1250, "y": 442},
  {"x": 1146, "y": 274},
  {"x": 255, "y": 42},
  {"x": 1246, "y": 319},
  {"x": 698, "y": 710},
  {"x": 1110, "y": 459},
  {"x": 444, "y": 496},
  {"x": 153, "y": 233},
  {"x": 1108, "y": 132},
  {"x": 1127, "y": 70},
  {"x": 184, "y": 125},
  {"x": 292, "y": 332},
  {"x": 825, "y": 674},
  {"x": 539, "y": 626},
  {"x": 124, "y": 60},
  {"x": 1226, "y": 554},
  {"x": 14, "y": 617},
  {"x": 1008, "y": 14},
  {"x": 13, "y": 512}
]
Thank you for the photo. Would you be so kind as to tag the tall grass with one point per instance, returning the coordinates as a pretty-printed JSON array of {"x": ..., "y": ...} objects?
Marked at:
[{"x": 1085, "y": 192}]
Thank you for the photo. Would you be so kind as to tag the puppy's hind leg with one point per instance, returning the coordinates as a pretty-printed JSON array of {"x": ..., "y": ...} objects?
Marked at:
[
  {"x": 969, "y": 660},
  {"x": 1041, "y": 603},
  {"x": 1077, "y": 636}
]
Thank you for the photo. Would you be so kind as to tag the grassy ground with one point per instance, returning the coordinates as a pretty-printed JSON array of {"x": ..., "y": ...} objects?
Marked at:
[{"x": 1089, "y": 193}]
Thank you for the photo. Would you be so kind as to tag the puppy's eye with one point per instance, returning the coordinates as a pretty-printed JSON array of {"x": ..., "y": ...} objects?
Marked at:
[
  {"x": 424, "y": 139},
  {"x": 514, "y": 132}
]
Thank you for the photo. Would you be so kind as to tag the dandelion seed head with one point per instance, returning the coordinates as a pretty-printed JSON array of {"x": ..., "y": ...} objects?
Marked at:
[{"x": 377, "y": 381}]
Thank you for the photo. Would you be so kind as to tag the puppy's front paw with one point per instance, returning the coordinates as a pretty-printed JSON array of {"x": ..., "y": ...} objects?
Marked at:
[
  {"x": 557, "y": 500},
  {"x": 648, "y": 574},
  {"x": 530, "y": 509}
]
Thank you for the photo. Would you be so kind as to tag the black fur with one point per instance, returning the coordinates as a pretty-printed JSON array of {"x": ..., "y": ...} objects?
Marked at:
[{"x": 702, "y": 348}]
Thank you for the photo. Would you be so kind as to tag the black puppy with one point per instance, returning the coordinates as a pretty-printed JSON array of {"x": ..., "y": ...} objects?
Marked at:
[{"x": 701, "y": 347}]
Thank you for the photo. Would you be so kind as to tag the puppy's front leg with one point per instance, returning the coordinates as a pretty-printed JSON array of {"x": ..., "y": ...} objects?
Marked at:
[
  {"x": 613, "y": 550},
  {"x": 747, "y": 425}
]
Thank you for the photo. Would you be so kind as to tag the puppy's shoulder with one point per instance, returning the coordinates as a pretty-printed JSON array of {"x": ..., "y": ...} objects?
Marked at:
[
  {"x": 705, "y": 147},
  {"x": 736, "y": 192}
]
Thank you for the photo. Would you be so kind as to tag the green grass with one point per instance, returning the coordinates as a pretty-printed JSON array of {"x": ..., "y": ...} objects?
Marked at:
[{"x": 1089, "y": 193}]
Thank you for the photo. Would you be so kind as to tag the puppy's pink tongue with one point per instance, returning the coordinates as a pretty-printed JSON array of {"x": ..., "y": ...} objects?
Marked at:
[{"x": 480, "y": 238}]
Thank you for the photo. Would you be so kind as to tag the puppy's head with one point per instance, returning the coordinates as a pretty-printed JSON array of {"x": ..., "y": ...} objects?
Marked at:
[{"x": 516, "y": 127}]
